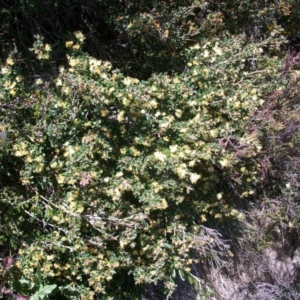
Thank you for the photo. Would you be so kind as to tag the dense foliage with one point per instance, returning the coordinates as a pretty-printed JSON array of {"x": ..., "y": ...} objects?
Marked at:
[{"x": 130, "y": 131}]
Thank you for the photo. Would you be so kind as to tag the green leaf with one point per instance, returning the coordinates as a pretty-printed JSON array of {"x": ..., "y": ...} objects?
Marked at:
[
  {"x": 181, "y": 274},
  {"x": 174, "y": 273},
  {"x": 43, "y": 292}
]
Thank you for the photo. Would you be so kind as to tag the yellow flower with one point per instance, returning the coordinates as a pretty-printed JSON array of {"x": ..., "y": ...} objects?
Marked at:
[
  {"x": 194, "y": 177},
  {"x": 164, "y": 125},
  {"x": 181, "y": 154},
  {"x": 234, "y": 212},
  {"x": 219, "y": 196},
  {"x": 10, "y": 61},
  {"x": 170, "y": 118},
  {"x": 120, "y": 116},
  {"x": 104, "y": 112},
  {"x": 224, "y": 162},
  {"x": 153, "y": 103},
  {"x": 94, "y": 175},
  {"x": 217, "y": 50},
  {"x": 80, "y": 209},
  {"x": 19, "y": 78},
  {"x": 71, "y": 181},
  {"x": 39, "y": 159},
  {"x": 29, "y": 159},
  {"x": 126, "y": 101},
  {"x": 195, "y": 47},
  {"x": 5, "y": 70},
  {"x": 135, "y": 151},
  {"x": 94, "y": 62},
  {"x": 69, "y": 151},
  {"x": 127, "y": 81},
  {"x": 240, "y": 216},
  {"x": 213, "y": 133},
  {"x": 79, "y": 35},
  {"x": 74, "y": 62},
  {"x": 181, "y": 171},
  {"x": 236, "y": 104},
  {"x": 192, "y": 163},
  {"x": 160, "y": 156},
  {"x": 61, "y": 179},
  {"x": 173, "y": 148},
  {"x": 47, "y": 47},
  {"x": 119, "y": 174},
  {"x": 156, "y": 187},
  {"x": 25, "y": 181},
  {"x": 39, "y": 168},
  {"x": 107, "y": 65},
  {"x": 19, "y": 153},
  {"x": 12, "y": 85},
  {"x": 56, "y": 265},
  {"x": 162, "y": 205},
  {"x": 59, "y": 82},
  {"x": 56, "y": 218},
  {"x": 115, "y": 77},
  {"x": 123, "y": 150},
  {"x": 206, "y": 53},
  {"x": 178, "y": 113},
  {"x": 69, "y": 44},
  {"x": 39, "y": 81}
]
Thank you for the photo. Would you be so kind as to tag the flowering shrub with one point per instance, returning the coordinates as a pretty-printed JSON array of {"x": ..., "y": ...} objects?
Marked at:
[{"x": 109, "y": 180}]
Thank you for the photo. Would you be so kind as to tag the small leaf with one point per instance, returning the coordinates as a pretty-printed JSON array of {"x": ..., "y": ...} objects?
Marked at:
[
  {"x": 181, "y": 274},
  {"x": 174, "y": 273}
]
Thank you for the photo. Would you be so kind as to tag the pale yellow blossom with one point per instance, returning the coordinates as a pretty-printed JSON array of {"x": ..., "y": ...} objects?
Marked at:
[
  {"x": 219, "y": 196},
  {"x": 69, "y": 44},
  {"x": 61, "y": 179},
  {"x": 120, "y": 116},
  {"x": 162, "y": 205},
  {"x": 160, "y": 156},
  {"x": 10, "y": 61},
  {"x": 181, "y": 171},
  {"x": 194, "y": 177},
  {"x": 47, "y": 47},
  {"x": 173, "y": 148}
]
